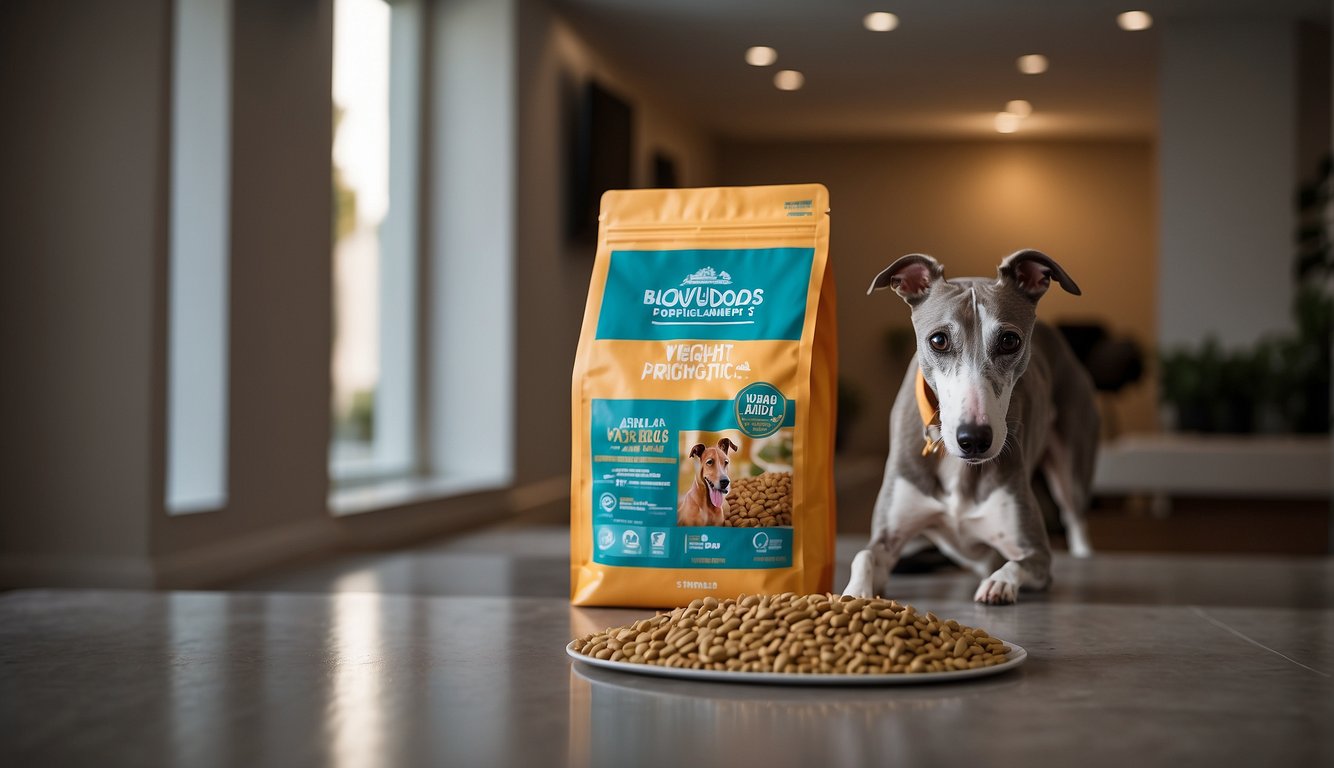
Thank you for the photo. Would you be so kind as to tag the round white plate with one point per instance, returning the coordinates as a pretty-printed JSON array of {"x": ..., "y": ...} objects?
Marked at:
[{"x": 1014, "y": 658}]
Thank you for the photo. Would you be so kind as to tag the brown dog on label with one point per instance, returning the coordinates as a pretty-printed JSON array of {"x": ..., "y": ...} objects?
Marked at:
[{"x": 706, "y": 501}]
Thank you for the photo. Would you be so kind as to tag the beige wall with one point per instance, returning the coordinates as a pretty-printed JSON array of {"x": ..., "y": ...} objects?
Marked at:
[
  {"x": 280, "y": 279},
  {"x": 84, "y": 158},
  {"x": 551, "y": 276},
  {"x": 85, "y": 194},
  {"x": 1226, "y": 178},
  {"x": 83, "y": 303},
  {"x": 86, "y": 185},
  {"x": 1088, "y": 205},
  {"x": 82, "y": 308}
]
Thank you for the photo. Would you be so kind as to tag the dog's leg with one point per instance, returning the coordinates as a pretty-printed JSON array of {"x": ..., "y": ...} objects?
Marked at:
[
  {"x": 1057, "y": 469},
  {"x": 869, "y": 573},
  {"x": 979, "y": 559},
  {"x": 917, "y": 545},
  {"x": 1011, "y": 523},
  {"x": 902, "y": 513}
]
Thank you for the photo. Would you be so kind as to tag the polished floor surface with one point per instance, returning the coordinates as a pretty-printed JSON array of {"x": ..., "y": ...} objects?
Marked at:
[{"x": 453, "y": 655}]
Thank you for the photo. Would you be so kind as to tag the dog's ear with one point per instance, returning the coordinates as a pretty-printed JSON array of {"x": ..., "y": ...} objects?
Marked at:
[
  {"x": 910, "y": 276},
  {"x": 727, "y": 445},
  {"x": 698, "y": 450},
  {"x": 1032, "y": 271}
]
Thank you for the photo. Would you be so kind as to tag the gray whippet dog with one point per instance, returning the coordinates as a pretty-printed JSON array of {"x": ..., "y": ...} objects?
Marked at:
[{"x": 991, "y": 397}]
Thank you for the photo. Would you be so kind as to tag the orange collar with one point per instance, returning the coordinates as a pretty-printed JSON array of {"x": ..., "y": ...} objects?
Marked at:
[{"x": 929, "y": 409}]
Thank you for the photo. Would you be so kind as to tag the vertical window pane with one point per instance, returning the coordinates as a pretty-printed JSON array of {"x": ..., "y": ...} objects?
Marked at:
[
  {"x": 199, "y": 251},
  {"x": 374, "y": 184}
]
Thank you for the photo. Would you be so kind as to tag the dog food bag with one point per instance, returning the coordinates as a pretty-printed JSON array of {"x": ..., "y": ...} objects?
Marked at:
[{"x": 703, "y": 399}]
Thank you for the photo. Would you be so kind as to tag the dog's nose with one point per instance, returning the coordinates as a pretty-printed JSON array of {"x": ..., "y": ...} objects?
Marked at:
[
  {"x": 973, "y": 439},
  {"x": 723, "y": 483}
]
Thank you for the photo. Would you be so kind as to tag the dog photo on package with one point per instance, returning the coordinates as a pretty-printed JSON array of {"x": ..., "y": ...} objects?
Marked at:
[{"x": 703, "y": 398}]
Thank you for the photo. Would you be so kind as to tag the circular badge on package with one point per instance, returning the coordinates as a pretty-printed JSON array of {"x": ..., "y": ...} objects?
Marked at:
[{"x": 760, "y": 409}]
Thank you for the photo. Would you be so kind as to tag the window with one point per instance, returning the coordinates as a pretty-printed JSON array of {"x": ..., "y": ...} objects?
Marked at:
[
  {"x": 376, "y": 80},
  {"x": 398, "y": 417},
  {"x": 199, "y": 257}
]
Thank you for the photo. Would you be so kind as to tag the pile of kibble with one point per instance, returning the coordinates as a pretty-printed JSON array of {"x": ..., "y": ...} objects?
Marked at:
[
  {"x": 798, "y": 634},
  {"x": 761, "y": 500}
]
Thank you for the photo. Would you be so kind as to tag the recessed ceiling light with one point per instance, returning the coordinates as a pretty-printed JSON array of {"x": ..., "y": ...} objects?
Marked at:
[
  {"x": 1006, "y": 122},
  {"x": 788, "y": 80},
  {"x": 1134, "y": 21},
  {"x": 761, "y": 56},
  {"x": 880, "y": 21},
  {"x": 1032, "y": 64},
  {"x": 1019, "y": 108}
]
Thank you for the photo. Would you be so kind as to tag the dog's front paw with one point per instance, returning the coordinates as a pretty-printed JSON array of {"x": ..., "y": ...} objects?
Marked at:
[
  {"x": 857, "y": 589},
  {"x": 994, "y": 591},
  {"x": 862, "y": 581}
]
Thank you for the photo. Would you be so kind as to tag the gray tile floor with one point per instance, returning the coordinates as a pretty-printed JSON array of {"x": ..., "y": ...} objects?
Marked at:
[
  {"x": 533, "y": 561},
  {"x": 451, "y": 654}
]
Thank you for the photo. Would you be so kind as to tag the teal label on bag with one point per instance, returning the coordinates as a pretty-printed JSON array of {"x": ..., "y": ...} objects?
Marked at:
[
  {"x": 738, "y": 293},
  {"x": 654, "y": 489}
]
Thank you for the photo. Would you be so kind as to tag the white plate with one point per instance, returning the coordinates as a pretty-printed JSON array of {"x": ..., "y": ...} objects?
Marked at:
[{"x": 1014, "y": 658}]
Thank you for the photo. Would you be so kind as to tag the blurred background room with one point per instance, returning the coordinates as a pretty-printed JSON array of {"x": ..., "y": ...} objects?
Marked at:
[
  {"x": 211, "y": 371},
  {"x": 291, "y": 290}
]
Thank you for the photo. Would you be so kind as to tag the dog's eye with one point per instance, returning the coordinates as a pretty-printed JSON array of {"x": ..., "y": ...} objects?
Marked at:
[
  {"x": 709, "y": 462},
  {"x": 1010, "y": 342},
  {"x": 939, "y": 341}
]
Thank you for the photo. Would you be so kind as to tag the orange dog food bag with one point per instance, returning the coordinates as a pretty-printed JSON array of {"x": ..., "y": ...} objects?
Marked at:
[{"x": 703, "y": 398}]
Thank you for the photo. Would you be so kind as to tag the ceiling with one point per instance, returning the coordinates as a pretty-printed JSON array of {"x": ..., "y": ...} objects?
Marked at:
[{"x": 946, "y": 70}]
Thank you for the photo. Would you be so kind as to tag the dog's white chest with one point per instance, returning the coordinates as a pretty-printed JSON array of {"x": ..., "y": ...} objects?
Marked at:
[
  {"x": 974, "y": 522},
  {"x": 957, "y": 488}
]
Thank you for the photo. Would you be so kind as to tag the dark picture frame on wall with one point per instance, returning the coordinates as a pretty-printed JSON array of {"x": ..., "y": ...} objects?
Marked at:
[
  {"x": 601, "y": 156},
  {"x": 664, "y": 171}
]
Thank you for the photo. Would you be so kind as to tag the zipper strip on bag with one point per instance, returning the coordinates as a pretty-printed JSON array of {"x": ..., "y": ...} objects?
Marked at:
[{"x": 638, "y": 233}]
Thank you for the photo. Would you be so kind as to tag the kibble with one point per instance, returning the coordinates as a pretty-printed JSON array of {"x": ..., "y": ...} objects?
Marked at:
[
  {"x": 798, "y": 634},
  {"x": 760, "y": 501}
]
